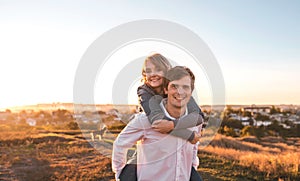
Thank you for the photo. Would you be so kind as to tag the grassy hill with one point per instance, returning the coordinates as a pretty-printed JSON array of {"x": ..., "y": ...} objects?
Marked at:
[{"x": 68, "y": 155}]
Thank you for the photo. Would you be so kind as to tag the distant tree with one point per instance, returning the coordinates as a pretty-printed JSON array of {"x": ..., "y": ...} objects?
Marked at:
[
  {"x": 261, "y": 117},
  {"x": 23, "y": 113},
  {"x": 253, "y": 131},
  {"x": 23, "y": 121},
  {"x": 274, "y": 110},
  {"x": 288, "y": 132},
  {"x": 101, "y": 112},
  {"x": 73, "y": 125},
  {"x": 248, "y": 131},
  {"x": 206, "y": 111},
  {"x": 259, "y": 131},
  {"x": 251, "y": 121},
  {"x": 275, "y": 126},
  {"x": 108, "y": 119},
  {"x": 289, "y": 123},
  {"x": 247, "y": 114},
  {"x": 10, "y": 118},
  {"x": 229, "y": 132},
  {"x": 61, "y": 116},
  {"x": 298, "y": 130},
  {"x": 232, "y": 123},
  {"x": 224, "y": 116},
  {"x": 226, "y": 112}
]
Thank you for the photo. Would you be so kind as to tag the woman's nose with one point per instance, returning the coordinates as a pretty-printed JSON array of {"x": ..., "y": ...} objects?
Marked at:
[{"x": 153, "y": 73}]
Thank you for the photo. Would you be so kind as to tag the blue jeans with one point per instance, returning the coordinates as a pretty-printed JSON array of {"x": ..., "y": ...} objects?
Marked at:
[
  {"x": 129, "y": 174},
  {"x": 195, "y": 176}
]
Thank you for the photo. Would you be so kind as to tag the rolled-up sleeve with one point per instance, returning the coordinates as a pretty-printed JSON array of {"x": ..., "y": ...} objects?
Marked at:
[
  {"x": 125, "y": 140},
  {"x": 195, "y": 156},
  {"x": 195, "y": 149}
]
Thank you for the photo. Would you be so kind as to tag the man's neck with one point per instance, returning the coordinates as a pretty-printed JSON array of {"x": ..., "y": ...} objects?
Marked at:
[{"x": 174, "y": 111}]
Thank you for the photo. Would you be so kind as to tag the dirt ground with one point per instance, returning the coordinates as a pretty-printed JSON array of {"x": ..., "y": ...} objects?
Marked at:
[
  {"x": 54, "y": 157},
  {"x": 73, "y": 156}
]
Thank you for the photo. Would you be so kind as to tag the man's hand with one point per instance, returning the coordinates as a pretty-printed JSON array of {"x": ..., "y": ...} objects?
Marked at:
[
  {"x": 163, "y": 126},
  {"x": 196, "y": 138}
]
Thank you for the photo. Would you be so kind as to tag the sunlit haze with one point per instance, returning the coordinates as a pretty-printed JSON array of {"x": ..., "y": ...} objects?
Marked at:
[{"x": 256, "y": 44}]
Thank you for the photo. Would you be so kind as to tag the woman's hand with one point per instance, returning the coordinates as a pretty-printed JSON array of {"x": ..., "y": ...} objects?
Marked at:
[
  {"x": 163, "y": 126},
  {"x": 196, "y": 138}
]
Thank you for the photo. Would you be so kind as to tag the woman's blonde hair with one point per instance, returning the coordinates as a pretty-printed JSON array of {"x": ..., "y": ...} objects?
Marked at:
[{"x": 159, "y": 61}]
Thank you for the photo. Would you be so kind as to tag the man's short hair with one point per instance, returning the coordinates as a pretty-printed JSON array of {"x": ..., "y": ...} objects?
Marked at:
[{"x": 177, "y": 73}]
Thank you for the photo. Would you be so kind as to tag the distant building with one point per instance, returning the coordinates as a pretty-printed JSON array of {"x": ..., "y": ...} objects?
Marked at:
[
  {"x": 263, "y": 123},
  {"x": 246, "y": 121},
  {"x": 257, "y": 109},
  {"x": 293, "y": 118},
  {"x": 278, "y": 117},
  {"x": 285, "y": 126},
  {"x": 31, "y": 122}
]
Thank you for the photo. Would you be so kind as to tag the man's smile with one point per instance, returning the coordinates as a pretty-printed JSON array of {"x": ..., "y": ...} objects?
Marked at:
[{"x": 179, "y": 97}]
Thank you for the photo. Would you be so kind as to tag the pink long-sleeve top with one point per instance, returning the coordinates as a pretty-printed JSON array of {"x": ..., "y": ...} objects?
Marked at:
[{"x": 159, "y": 156}]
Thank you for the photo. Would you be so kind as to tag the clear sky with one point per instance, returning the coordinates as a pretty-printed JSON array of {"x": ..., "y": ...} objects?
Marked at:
[{"x": 256, "y": 43}]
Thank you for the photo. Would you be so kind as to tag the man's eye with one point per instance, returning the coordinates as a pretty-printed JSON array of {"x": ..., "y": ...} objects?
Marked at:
[
  {"x": 174, "y": 86},
  {"x": 148, "y": 71},
  {"x": 186, "y": 87}
]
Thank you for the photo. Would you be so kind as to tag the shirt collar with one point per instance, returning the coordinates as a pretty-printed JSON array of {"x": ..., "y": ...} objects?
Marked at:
[{"x": 162, "y": 105}]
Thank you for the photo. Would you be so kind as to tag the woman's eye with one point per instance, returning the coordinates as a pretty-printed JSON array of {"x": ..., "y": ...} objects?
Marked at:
[{"x": 158, "y": 69}]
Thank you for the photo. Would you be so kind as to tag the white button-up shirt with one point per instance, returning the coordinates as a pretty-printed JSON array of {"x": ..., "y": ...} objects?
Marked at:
[{"x": 159, "y": 156}]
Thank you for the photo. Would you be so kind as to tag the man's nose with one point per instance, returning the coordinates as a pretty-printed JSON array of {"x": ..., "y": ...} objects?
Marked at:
[{"x": 180, "y": 90}]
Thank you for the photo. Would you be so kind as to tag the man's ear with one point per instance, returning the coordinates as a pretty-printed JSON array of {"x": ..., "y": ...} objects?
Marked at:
[{"x": 165, "y": 90}]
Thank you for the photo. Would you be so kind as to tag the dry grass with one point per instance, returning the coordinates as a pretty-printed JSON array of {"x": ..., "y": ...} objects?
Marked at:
[
  {"x": 50, "y": 156},
  {"x": 274, "y": 158},
  {"x": 66, "y": 155}
]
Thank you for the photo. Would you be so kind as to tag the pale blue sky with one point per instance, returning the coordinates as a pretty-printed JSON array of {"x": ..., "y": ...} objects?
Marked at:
[{"x": 257, "y": 44}]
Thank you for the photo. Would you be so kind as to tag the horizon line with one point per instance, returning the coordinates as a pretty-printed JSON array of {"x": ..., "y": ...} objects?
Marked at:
[{"x": 57, "y": 104}]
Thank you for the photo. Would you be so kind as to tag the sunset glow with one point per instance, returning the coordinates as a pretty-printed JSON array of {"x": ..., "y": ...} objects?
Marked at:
[{"x": 40, "y": 50}]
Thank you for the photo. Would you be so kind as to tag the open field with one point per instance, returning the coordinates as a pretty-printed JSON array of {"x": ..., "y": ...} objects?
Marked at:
[
  {"x": 51, "y": 156},
  {"x": 248, "y": 158},
  {"x": 67, "y": 155}
]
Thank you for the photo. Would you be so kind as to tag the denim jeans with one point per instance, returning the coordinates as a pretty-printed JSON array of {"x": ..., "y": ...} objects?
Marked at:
[
  {"x": 129, "y": 174},
  {"x": 195, "y": 176}
]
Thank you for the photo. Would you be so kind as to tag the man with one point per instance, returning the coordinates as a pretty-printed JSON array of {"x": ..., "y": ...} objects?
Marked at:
[{"x": 161, "y": 156}]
